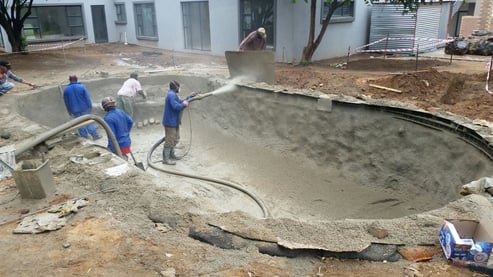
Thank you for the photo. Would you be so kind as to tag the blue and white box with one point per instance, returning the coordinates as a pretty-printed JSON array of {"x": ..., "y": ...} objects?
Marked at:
[{"x": 466, "y": 240}]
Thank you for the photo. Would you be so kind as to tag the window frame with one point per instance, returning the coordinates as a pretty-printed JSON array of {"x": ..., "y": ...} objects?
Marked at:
[
  {"x": 39, "y": 30},
  {"x": 154, "y": 21},
  {"x": 188, "y": 26},
  {"x": 343, "y": 18},
  {"x": 121, "y": 13},
  {"x": 245, "y": 16}
]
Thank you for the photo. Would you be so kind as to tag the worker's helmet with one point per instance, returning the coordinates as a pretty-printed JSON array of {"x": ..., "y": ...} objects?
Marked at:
[
  {"x": 174, "y": 86},
  {"x": 108, "y": 103}
]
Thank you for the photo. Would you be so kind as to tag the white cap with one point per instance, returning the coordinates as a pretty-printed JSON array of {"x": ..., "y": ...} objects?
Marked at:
[{"x": 261, "y": 31}]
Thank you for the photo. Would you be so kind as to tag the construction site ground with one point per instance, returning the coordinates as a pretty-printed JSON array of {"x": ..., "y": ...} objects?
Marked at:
[{"x": 108, "y": 238}]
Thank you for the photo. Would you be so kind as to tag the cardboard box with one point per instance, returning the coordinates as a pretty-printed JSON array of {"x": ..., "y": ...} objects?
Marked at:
[{"x": 466, "y": 240}]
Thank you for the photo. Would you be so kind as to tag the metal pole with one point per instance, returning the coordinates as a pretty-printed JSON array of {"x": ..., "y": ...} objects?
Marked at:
[
  {"x": 63, "y": 51},
  {"x": 386, "y": 44},
  {"x": 417, "y": 51},
  {"x": 348, "y": 53}
]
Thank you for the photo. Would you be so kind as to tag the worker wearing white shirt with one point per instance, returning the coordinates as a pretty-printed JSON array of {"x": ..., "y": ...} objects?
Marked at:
[{"x": 125, "y": 98}]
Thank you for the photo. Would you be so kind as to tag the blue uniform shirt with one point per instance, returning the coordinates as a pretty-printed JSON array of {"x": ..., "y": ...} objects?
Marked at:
[
  {"x": 172, "y": 108},
  {"x": 77, "y": 98},
  {"x": 120, "y": 123}
]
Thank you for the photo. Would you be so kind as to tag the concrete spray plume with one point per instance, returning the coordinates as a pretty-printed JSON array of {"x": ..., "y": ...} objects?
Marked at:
[{"x": 229, "y": 87}]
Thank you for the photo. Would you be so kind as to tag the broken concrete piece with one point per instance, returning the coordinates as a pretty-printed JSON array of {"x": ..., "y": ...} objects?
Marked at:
[
  {"x": 40, "y": 223},
  {"x": 419, "y": 253},
  {"x": 71, "y": 206}
]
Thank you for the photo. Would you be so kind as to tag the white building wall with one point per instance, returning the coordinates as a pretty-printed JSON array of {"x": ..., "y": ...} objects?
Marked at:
[
  {"x": 292, "y": 25},
  {"x": 224, "y": 18}
]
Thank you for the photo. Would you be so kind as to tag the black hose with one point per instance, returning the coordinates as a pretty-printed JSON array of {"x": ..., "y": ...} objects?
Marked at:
[{"x": 203, "y": 178}]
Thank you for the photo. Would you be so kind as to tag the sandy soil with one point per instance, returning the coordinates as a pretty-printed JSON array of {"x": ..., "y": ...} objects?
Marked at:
[{"x": 113, "y": 236}]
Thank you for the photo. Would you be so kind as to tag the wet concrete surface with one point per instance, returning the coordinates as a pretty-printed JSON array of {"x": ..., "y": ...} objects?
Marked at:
[{"x": 307, "y": 158}]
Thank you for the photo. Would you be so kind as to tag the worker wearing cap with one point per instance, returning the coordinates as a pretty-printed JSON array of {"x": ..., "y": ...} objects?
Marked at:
[
  {"x": 78, "y": 103},
  {"x": 256, "y": 40},
  {"x": 5, "y": 74},
  {"x": 125, "y": 98},
  {"x": 120, "y": 124},
  {"x": 173, "y": 106}
]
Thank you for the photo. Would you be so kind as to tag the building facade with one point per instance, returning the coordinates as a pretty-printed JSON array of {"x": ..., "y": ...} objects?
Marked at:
[
  {"x": 210, "y": 27},
  {"x": 474, "y": 15}
]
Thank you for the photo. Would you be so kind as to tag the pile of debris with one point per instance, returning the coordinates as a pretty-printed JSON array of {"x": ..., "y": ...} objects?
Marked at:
[{"x": 479, "y": 43}]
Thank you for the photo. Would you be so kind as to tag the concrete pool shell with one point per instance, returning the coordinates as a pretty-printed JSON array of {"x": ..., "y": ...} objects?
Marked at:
[{"x": 307, "y": 157}]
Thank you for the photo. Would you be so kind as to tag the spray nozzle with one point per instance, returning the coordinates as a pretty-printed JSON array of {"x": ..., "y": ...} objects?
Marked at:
[{"x": 200, "y": 96}]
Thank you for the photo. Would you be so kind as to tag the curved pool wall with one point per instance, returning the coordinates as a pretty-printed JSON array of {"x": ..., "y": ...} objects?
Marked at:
[
  {"x": 351, "y": 149},
  {"x": 49, "y": 102}
]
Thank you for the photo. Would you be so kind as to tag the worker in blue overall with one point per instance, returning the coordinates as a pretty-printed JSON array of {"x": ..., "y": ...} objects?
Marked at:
[
  {"x": 173, "y": 106},
  {"x": 78, "y": 103}
]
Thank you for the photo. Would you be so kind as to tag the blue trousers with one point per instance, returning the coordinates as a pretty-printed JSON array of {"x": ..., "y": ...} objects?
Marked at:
[
  {"x": 87, "y": 129},
  {"x": 5, "y": 87}
]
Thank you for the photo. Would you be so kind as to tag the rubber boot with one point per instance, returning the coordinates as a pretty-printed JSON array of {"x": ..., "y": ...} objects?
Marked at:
[
  {"x": 172, "y": 155},
  {"x": 166, "y": 156}
]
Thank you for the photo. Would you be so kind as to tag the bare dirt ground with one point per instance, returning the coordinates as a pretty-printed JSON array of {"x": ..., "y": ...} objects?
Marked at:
[{"x": 105, "y": 242}]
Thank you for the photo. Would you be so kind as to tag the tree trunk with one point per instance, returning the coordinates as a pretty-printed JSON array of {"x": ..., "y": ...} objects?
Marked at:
[
  {"x": 308, "y": 52},
  {"x": 309, "y": 48},
  {"x": 16, "y": 41},
  {"x": 313, "y": 44},
  {"x": 12, "y": 17}
]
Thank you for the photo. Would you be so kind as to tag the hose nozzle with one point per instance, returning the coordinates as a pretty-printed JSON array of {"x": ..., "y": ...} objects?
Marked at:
[{"x": 200, "y": 96}]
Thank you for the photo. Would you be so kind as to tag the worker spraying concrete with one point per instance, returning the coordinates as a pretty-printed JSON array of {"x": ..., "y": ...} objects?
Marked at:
[
  {"x": 168, "y": 158},
  {"x": 173, "y": 108}
]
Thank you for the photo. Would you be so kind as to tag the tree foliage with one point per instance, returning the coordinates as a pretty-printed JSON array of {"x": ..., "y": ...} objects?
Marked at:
[
  {"x": 13, "y": 13},
  {"x": 314, "y": 42}
]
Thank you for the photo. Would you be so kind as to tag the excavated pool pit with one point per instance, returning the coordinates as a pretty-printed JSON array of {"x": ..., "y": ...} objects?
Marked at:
[{"x": 307, "y": 157}]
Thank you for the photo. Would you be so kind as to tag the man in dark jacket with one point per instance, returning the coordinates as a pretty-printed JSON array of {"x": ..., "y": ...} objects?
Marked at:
[
  {"x": 173, "y": 106},
  {"x": 256, "y": 40},
  {"x": 120, "y": 124},
  {"x": 78, "y": 103}
]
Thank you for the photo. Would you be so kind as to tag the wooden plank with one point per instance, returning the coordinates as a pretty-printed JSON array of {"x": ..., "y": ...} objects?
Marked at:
[{"x": 385, "y": 88}]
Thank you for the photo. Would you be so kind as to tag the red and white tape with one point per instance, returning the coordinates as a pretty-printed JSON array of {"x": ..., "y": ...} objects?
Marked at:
[
  {"x": 488, "y": 67},
  {"x": 436, "y": 42},
  {"x": 52, "y": 46}
]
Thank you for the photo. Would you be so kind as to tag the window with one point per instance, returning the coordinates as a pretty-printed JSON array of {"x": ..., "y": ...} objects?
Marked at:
[
  {"x": 345, "y": 13},
  {"x": 121, "y": 15},
  {"x": 255, "y": 14},
  {"x": 145, "y": 21},
  {"x": 57, "y": 22},
  {"x": 196, "y": 25}
]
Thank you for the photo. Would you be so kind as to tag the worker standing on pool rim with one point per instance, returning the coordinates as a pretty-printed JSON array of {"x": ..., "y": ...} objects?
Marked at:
[{"x": 173, "y": 106}]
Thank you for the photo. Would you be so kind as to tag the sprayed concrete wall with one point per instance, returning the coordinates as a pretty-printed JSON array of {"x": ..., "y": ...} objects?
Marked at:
[{"x": 343, "y": 158}]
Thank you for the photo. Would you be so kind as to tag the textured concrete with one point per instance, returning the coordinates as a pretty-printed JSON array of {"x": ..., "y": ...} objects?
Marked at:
[{"x": 307, "y": 157}]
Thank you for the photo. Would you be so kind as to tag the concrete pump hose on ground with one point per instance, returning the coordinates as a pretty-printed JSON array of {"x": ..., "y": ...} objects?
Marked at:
[{"x": 203, "y": 178}]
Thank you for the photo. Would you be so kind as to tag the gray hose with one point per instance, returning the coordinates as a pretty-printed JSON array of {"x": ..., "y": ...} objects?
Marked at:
[
  {"x": 265, "y": 211},
  {"x": 26, "y": 145}
]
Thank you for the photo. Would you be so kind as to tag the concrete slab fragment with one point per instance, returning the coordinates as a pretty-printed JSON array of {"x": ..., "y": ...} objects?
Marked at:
[{"x": 257, "y": 66}]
